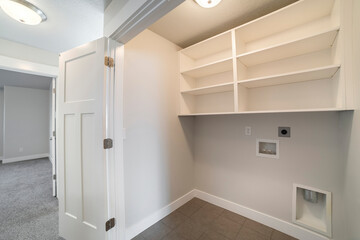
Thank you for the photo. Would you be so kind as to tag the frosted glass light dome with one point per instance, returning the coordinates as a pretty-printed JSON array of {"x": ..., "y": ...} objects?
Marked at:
[
  {"x": 208, "y": 3},
  {"x": 23, "y": 11}
]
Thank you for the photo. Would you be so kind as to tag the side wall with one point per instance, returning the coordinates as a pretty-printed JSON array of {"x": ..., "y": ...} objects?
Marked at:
[
  {"x": 26, "y": 123},
  {"x": 1, "y": 122},
  {"x": 351, "y": 123},
  {"x": 226, "y": 164},
  {"x": 158, "y": 156}
]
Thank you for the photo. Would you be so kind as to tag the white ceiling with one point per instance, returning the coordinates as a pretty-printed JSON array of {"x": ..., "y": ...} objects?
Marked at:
[
  {"x": 16, "y": 79},
  {"x": 189, "y": 23},
  {"x": 70, "y": 23}
]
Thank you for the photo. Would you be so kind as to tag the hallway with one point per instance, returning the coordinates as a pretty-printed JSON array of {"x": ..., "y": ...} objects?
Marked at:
[{"x": 28, "y": 211}]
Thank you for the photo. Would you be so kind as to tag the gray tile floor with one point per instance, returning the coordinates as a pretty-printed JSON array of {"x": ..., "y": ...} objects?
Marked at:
[{"x": 199, "y": 220}]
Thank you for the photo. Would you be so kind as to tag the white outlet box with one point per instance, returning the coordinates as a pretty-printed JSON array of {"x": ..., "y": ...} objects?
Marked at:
[{"x": 248, "y": 131}]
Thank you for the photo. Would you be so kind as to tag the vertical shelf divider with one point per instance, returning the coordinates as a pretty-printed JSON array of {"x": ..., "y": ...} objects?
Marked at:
[{"x": 233, "y": 47}]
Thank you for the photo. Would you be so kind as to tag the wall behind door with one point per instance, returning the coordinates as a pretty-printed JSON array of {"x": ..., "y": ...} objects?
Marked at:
[
  {"x": 26, "y": 123},
  {"x": 157, "y": 149}
]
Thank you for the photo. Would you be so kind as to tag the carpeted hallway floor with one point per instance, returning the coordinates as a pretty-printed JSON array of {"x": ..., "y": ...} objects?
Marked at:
[{"x": 28, "y": 211}]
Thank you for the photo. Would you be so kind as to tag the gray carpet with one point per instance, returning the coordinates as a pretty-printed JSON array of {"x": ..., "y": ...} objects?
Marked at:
[{"x": 28, "y": 211}]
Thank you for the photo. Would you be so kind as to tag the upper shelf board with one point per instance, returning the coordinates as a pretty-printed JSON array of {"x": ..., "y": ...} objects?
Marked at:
[
  {"x": 301, "y": 46},
  {"x": 216, "y": 44},
  {"x": 293, "y": 77},
  {"x": 298, "y": 13},
  {"x": 226, "y": 87},
  {"x": 210, "y": 69}
]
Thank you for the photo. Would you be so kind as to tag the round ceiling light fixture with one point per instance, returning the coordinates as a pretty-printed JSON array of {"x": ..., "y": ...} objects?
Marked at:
[
  {"x": 23, "y": 11},
  {"x": 208, "y": 3}
]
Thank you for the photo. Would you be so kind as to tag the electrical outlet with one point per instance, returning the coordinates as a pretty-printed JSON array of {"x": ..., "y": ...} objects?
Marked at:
[{"x": 248, "y": 131}]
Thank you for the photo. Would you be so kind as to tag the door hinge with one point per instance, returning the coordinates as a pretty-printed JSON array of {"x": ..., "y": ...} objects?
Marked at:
[
  {"x": 109, "y": 62},
  {"x": 108, "y": 143},
  {"x": 54, "y": 177},
  {"x": 54, "y": 133},
  {"x": 110, "y": 224},
  {"x": 54, "y": 90}
]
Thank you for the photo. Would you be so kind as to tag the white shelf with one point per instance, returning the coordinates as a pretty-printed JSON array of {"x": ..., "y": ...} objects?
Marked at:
[
  {"x": 287, "y": 61},
  {"x": 210, "y": 69},
  {"x": 226, "y": 87},
  {"x": 296, "y": 14},
  {"x": 292, "y": 77},
  {"x": 211, "y": 46},
  {"x": 270, "y": 111},
  {"x": 297, "y": 47}
]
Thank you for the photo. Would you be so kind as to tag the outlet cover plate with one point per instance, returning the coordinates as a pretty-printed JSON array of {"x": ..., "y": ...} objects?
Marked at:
[{"x": 284, "y": 132}]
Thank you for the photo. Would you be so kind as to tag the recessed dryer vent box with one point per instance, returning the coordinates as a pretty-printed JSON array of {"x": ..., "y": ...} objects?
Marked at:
[
  {"x": 267, "y": 148},
  {"x": 312, "y": 209}
]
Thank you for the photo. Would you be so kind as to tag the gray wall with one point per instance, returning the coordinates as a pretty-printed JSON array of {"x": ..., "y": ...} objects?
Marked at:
[
  {"x": 226, "y": 164},
  {"x": 1, "y": 120},
  {"x": 26, "y": 122},
  {"x": 158, "y": 157}
]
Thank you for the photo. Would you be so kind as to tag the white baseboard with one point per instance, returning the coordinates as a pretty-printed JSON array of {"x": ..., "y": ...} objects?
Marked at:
[
  {"x": 278, "y": 224},
  {"x": 135, "y": 229},
  {"x": 23, "y": 158}
]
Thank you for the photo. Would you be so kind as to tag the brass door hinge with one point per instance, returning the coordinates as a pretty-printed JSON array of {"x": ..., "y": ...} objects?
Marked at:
[
  {"x": 110, "y": 224},
  {"x": 109, "y": 62}
]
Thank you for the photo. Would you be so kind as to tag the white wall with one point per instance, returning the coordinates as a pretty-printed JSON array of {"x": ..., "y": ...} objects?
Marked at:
[
  {"x": 26, "y": 122},
  {"x": 157, "y": 150},
  {"x": 27, "y": 53},
  {"x": 1, "y": 121},
  {"x": 226, "y": 164},
  {"x": 351, "y": 126}
]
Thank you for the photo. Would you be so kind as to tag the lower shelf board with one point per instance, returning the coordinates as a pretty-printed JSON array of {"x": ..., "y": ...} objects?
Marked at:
[{"x": 267, "y": 111}]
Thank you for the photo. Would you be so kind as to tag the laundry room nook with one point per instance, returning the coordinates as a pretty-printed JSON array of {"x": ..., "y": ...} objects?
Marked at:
[{"x": 180, "y": 119}]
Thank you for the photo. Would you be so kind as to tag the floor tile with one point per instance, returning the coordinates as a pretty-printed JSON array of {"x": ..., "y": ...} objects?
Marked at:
[
  {"x": 174, "y": 236},
  {"x": 190, "y": 230},
  {"x": 189, "y": 208},
  {"x": 156, "y": 231},
  {"x": 199, "y": 220},
  {"x": 234, "y": 217},
  {"x": 265, "y": 230},
  {"x": 198, "y": 201},
  {"x": 212, "y": 235},
  {"x": 174, "y": 219},
  {"x": 138, "y": 237},
  {"x": 207, "y": 214},
  {"x": 281, "y": 236},
  {"x": 250, "y": 234},
  {"x": 226, "y": 227}
]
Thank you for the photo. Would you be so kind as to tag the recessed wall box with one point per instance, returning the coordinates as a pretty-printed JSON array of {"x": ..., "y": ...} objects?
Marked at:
[
  {"x": 267, "y": 148},
  {"x": 312, "y": 209}
]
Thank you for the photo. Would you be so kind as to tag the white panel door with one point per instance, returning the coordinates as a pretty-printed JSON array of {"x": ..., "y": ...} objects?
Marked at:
[{"x": 82, "y": 162}]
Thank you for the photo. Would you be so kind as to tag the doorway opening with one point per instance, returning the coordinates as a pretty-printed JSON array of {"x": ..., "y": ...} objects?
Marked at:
[{"x": 29, "y": 208}]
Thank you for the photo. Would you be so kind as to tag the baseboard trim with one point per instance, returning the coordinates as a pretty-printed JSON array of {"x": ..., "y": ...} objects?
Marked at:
[
  {"x": 24, "y": 158},
  {"x": 135, "y": 229},
  {"x": 278, "y": 224}
]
